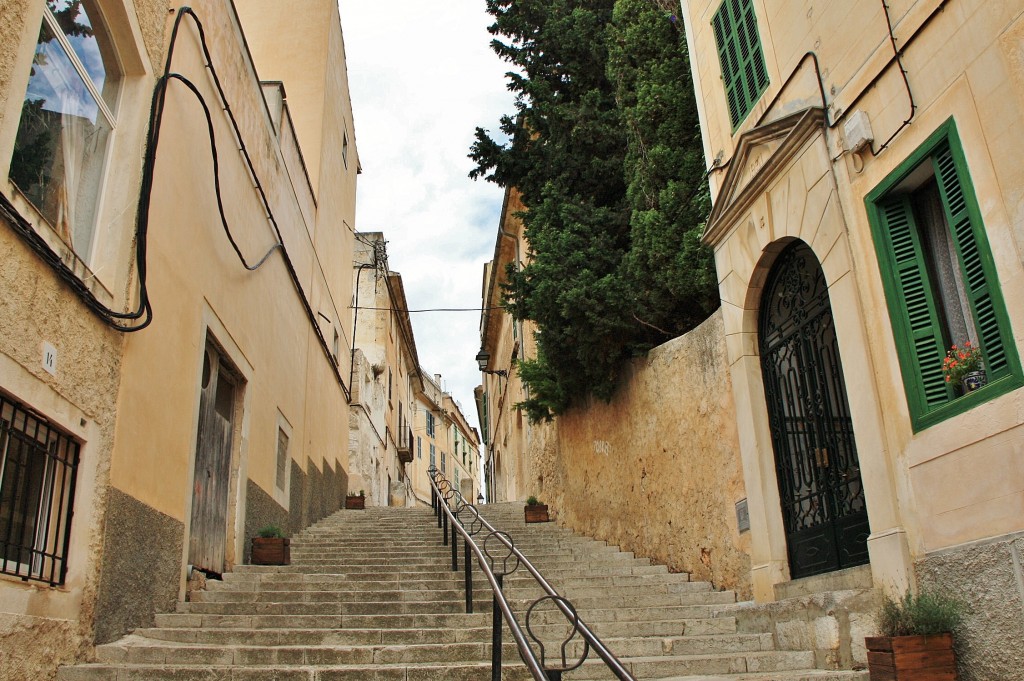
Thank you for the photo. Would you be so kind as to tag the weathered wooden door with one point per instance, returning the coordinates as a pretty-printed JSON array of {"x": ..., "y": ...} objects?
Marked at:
[
  {"x": 816, "y": 458},
  {"x": 208, "y": 537}
]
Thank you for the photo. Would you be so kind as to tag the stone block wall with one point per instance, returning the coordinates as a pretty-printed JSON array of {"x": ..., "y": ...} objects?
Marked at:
[
  {"x": 656, "y": 470},
  {"x": 988, "y": 577}
]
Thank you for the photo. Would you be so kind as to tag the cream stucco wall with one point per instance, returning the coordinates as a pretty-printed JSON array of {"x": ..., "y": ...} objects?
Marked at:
[
  {"x": 133, "y": 400},
  {"x": 42, "y": 626},
  {"x": 954, "y": 482}
]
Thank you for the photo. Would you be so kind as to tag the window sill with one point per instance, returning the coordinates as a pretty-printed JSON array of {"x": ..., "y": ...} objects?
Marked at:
[
  {"x": 42, "y": 227},
  {"x": 967, "y": 402}
]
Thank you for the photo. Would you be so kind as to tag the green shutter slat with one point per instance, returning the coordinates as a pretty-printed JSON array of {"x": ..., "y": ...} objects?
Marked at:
[
  {"x": 986, "y": 319},
  {"x": 916, "y": 307},
  {"x": 739, "y": 51}
]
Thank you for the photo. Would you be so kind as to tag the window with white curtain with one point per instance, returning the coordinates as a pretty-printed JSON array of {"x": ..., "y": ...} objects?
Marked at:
[{"x": 67, "y": 119}]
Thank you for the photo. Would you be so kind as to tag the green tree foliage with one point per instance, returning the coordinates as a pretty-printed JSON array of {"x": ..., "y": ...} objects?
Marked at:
[{"x": 604, "y": 147}]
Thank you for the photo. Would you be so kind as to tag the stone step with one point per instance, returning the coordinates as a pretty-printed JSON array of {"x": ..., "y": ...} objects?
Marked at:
[
  {"x": 403, "y": 621},
  {"x": 337, "y": 608},
  {"x": 317, "y": 637},
  {"x": 410, "y": 672}
]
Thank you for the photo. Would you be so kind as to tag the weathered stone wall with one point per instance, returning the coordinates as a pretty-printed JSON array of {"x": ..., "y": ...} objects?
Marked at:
[
  {"x": 314, "y": 494},
  {"x": 656, "y": 470},
  {"x": 261, "y": 510},
  {"x": 988, "y": 578},
  {"x": 142, "y": 552}
]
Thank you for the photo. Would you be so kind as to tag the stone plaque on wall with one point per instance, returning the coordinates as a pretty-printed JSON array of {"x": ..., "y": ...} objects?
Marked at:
[{"x": 742, "y": 516}]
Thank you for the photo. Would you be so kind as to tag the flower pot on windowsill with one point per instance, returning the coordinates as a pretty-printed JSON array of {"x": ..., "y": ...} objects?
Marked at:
[
  {"x": 355, "y": 503},
  {"x": 974, "y": 380},
  {"x": 907, "y": 658},
  {"x": 271, "y": 551}
]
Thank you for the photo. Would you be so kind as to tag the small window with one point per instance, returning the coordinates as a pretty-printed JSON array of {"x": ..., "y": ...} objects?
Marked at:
[
  {"x": 67, "y": 119},
  {"x": 433, "y": 455},
  {"x": 443, "y": 461},
  {"x": 344, "y": 149},
  {"x": 282, "y": 458},
  {"x": 337, "y": 346},
  {"x": 430, "y": 425},
  {"x": 419, "y": 447},
  {"x": 739, "y": 52},
  {"x": 940, "y": 280},
  {"x": 38, "y": 468}
]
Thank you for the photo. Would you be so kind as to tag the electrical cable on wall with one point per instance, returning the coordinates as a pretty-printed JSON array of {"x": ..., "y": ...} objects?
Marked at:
[{"x": 143, "y": 313}]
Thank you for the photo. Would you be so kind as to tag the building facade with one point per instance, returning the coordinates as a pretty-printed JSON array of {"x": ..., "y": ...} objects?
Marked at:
[
  {"x": 445, "y": 440},
  {"x": 508, "y": 437},
  {"x": 174, "y": 367},
  {"x": 381, "y": 441},
  {"x": 863, "y": 163}
]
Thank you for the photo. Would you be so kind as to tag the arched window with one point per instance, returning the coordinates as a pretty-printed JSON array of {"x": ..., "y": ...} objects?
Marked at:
[{"x": 67, "y": 119}]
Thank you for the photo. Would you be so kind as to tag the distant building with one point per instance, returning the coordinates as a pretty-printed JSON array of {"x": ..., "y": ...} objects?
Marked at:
[
  {"x": 445, "y": 440},
  {"x": 865, "y": 165},
  {"x": 127, "y": 459},
  {"x": 506, "y": 432},
  {"x": 387, "y": 379}
]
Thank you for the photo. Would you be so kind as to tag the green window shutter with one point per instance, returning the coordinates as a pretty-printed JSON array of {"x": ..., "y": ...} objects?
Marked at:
[
  {"x": 915, "y": 307},
  {"x": 739, "y": 51},
  {"x": 984, "y": 298}
]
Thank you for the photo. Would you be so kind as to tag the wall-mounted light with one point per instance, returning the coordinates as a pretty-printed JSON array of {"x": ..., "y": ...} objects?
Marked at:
[{"x": 482, "y": 358}]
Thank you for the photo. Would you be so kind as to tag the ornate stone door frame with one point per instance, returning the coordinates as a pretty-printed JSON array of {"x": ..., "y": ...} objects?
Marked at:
[{"x": 780, "y": 187}]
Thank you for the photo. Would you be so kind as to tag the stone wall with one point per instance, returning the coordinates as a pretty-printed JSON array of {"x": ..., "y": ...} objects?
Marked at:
[
  {"x": 656, "y": 470},
  {"x": 988, "y": 577},
  {"x": 261, "y": 510},
  {"x": 142, "y": 552}
]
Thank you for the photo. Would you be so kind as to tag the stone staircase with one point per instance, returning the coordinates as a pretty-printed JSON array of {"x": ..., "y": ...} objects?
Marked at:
[{"x": 370, "y": 596}]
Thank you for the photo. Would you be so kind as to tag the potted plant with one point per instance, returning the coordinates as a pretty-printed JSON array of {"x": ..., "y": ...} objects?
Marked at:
[
  {"x": 271, "y": 547},
  {"x": 916, "y": 640},
  {"x": 963, "y": 366},
  {"x": 356, "y": 501},
  {"x": 535, "y": 511}
]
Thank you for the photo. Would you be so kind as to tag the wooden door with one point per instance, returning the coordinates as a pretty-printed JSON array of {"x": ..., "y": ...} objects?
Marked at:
[{"x": 208, "y": 537}]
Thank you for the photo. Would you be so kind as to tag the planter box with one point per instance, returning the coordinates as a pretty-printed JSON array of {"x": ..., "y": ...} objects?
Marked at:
[
  {"x": 538, "y": 513},
  {"x": 911, "y": 658},
  {"x": 357, "y": 503},
  {"x": 271, "y": 551}
]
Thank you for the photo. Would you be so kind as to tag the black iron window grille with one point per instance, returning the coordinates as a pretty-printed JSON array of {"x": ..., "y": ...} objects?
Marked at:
[{"x": 38, "y": 467}]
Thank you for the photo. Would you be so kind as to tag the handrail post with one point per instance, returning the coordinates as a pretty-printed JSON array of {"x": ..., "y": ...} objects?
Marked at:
[
  {"x": 455, "y": 549},
  {"x": 444, "y": 531},
  {"x": 469, "y": 580},
  {"x": 496, "y": 634}
]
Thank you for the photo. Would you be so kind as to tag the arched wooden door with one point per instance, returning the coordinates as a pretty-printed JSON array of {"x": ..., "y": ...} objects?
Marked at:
[{"x": 816, "y": 460}]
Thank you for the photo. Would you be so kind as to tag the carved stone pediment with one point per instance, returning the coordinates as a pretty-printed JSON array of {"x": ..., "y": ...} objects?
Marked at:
[{"x": 762, "y": 153}]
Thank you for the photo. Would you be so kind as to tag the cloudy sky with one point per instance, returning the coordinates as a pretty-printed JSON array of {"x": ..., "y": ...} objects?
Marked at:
[{"x": 422, "y": 78}]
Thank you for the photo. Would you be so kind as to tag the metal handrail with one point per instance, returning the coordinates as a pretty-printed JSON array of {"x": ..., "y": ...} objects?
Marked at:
[{"x": 439, "y": 501}]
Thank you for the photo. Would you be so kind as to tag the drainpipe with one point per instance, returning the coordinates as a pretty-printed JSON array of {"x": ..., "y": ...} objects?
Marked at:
[{"x": 355, "y": 322}]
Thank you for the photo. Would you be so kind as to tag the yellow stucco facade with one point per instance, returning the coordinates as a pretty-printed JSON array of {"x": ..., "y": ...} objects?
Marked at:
[{"x": 277, "y": 338}]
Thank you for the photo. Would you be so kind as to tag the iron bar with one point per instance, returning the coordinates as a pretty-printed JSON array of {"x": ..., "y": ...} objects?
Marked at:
[
  {"x": 496, "y": 633},
  {"x": 468, "y": 568}
]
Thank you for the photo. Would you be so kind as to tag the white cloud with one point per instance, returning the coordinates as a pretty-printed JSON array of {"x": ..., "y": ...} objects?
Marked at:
[{"x": 423, "y": 77}]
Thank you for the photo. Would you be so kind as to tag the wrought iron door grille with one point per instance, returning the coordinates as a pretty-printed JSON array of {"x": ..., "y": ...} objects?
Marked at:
[
  {"x": 812, "y": 433},
  {"x": 38, "y": 468}
]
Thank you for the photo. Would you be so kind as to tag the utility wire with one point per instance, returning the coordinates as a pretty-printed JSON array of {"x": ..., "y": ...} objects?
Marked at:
[{"x": 432, "y": 309}]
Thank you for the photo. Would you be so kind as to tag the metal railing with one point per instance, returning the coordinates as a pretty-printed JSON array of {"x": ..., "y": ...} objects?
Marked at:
[{"x": 448, "y": 505}]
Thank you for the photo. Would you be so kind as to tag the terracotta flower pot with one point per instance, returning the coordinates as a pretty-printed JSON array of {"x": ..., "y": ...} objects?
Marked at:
[
  {"x": 911, "y": 658},
  {"x": 356, "y": 503},
  {"x": 538, "y": 513},
  {"x": 271, "y": 551}
]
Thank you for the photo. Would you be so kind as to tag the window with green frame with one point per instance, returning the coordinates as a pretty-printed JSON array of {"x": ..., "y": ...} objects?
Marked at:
[
  {"x": 940, "y": 280},
  {"x": 739, "y": 52}
]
